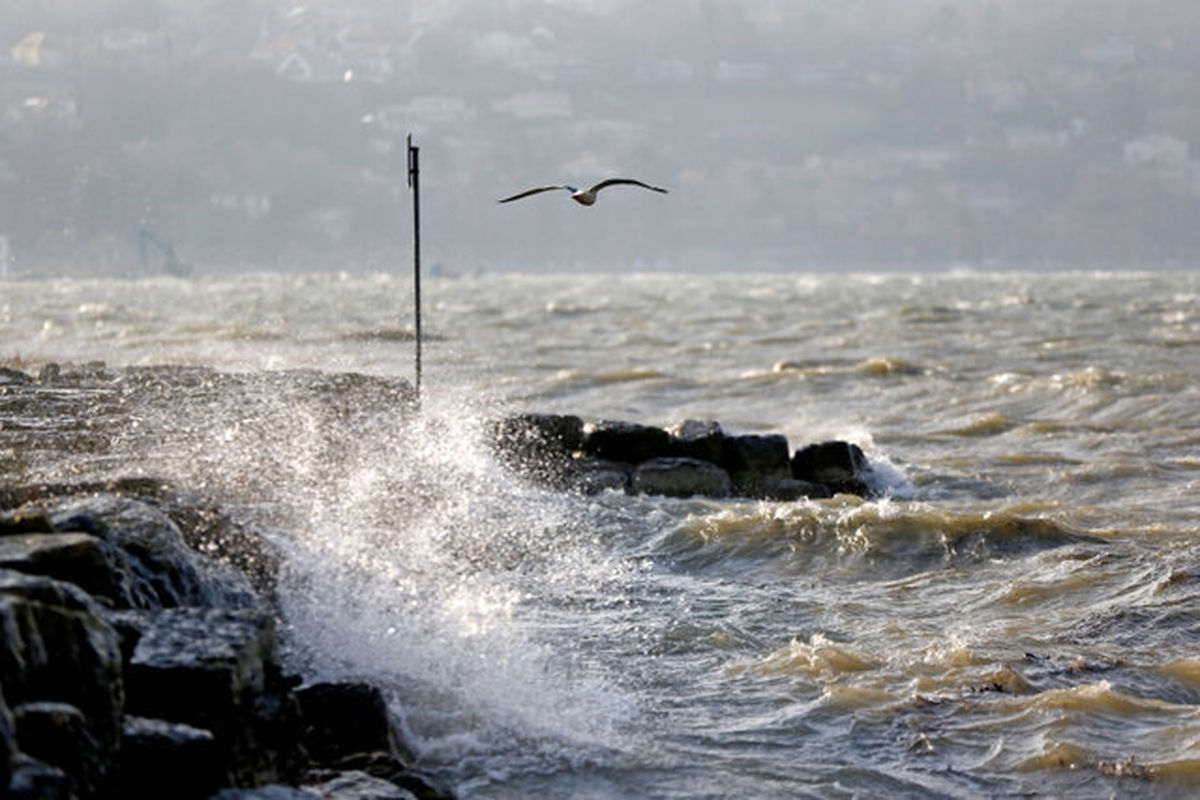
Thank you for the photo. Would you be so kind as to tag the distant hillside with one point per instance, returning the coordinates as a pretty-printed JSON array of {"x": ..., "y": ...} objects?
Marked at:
[{"x": 871, "y": 132}]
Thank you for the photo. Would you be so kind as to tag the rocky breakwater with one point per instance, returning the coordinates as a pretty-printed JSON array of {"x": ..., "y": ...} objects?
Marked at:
[
  {"x": 133, "y": 667},
  {"x": 133, "y": 663},
  {"x": 692, "y": 458}
]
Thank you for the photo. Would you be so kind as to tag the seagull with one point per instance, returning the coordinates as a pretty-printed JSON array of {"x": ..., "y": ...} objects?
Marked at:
[{"x": 585, "y": 197}]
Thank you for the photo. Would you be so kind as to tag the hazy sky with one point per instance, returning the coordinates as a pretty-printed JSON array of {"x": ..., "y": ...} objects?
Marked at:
[{"x": 791, "y": 134}]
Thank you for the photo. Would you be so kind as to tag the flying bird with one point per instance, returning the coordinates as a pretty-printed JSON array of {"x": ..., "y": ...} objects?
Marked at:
[{"x": 585, "y": 197}]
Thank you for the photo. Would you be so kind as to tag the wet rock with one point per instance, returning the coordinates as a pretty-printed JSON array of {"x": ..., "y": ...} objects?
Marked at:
[
  {"x": 268, "y": 792},
  {"x": 36, "y": 780},
  {"x": 391, "y": 769},
  {"x": 218, "y": 669},
  {"x": 539, "y": 445},
  {"x": 8, "y": 741},
  {"x": 755, "y": 462},
  {"x": 841, "y": 466},
  {"x": 595, "y": 475},
  {"x": 79, "y": 558},
  {"x": 167, "y": 759},
  {"x": 245, "y": 555},
  {"x": 625, "y": 441},
  {"x": 163, "y": 570},
  {"x": 57, "y": 734},
  {"x": 702, "y": 439},
  {"x": 14, "y": 376},
  {"x": 57, "y": 648},
  {"x": 129, "y": 624},
  {"x": 361, "y": 786},
  {"x": 341, "y": 719},
  {"x": 538, "y": 436},
  {"x": 613, "y": 456},
  {"x": 681, "y": 477},
  {"x": 18, "y": 521}
]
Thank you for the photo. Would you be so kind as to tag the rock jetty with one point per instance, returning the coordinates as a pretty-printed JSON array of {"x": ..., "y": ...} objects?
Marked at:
[
  {"x": 133, "y": 667},
  {"x": 695, "y": 457},
  {"x": 134, "y": 663}
]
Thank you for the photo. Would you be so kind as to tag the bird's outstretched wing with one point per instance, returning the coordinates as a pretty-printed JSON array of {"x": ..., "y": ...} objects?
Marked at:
[
  {"x": 528, "y": 192},
  {"x": 629, "y": 181}
]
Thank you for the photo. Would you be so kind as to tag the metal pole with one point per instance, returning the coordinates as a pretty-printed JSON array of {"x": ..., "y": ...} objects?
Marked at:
[{"x": 414, "y": 183}]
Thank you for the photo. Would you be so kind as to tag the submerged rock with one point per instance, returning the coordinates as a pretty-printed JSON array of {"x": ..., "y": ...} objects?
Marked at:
[{"x": 681, "y": 477}]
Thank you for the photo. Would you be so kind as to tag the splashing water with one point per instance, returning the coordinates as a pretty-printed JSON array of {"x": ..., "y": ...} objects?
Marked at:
[{"x": 419, "y": 563}]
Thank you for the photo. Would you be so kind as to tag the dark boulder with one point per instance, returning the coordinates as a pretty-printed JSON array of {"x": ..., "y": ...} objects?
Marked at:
[
  {"x": 342, "y": 719},
  {"x": 57, "y": 734},
  {"x": 163, "y": 571},
  {"x": 129, "y": 624},
  {"x": 535, "y": 437},
  {"x": 269, "y": 792},
  {"x": 681, "y": 477},
  {"x": 538, "y": 445},
  {"x": 625, "y": 441},
  {"x": 14, "y": 376},
  {"x": 36, "y": 780},
  {"x": 218, "y": 669},
  {"x": 57, "y": 648},
  {"x": 702, "y": 439},
  {"x": 589, "y": 475},
  {"x": 841, "y": 466},
  {"x": 8, "y": 741},
  {"x": 79, "y": 558},
  {"x": 167, "y": 759},
  {"x": 755, "y": 462}
]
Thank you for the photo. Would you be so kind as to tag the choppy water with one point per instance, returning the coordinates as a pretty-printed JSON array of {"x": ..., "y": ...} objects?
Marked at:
[{"x": 1019, "y": 615}]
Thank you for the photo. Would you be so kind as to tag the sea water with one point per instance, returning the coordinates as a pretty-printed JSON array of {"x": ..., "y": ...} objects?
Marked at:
[{"x": 1015, "y": 613}]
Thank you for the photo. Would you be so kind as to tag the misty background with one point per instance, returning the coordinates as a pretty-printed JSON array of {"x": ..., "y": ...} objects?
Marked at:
[{"x": 792, "y": 133}]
